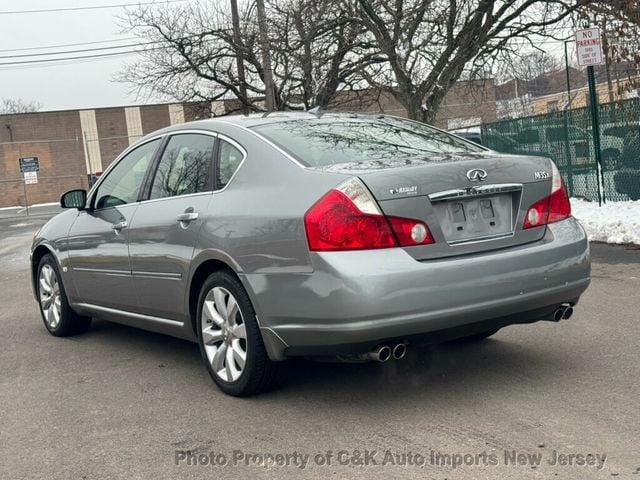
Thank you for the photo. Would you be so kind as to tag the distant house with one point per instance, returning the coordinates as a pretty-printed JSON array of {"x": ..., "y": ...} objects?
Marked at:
[{"x": 545, "y": 94}]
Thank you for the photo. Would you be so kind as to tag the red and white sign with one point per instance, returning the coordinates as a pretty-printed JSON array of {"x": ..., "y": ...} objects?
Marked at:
[
  {"x": 30, "y": 178},
  {"x": 589, "y": 47}
]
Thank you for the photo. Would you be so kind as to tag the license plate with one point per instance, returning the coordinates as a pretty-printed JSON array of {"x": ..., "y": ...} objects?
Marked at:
[{"x": 475, "y": 218}]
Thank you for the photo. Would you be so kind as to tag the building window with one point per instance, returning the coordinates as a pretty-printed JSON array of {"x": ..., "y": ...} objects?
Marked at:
[{"x": 552, "y": 106}]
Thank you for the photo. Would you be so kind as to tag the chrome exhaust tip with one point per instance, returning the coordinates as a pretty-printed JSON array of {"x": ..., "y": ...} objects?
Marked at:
[
  {"x": 558, "y": 314},
  {"x": 379, "y": 354},
  {"x": 399, "y": 351},
  {"x": 567, "y": 313}
]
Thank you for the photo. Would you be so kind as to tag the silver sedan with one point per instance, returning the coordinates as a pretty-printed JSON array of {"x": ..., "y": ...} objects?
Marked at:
[{"x": 294, "y": 234}]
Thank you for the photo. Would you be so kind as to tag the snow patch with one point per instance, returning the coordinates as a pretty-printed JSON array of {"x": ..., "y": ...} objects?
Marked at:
[{"x": 613, "y": 222}]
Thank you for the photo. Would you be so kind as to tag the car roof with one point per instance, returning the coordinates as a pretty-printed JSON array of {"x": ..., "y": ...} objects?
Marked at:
[{"x": 256, "y": 119}]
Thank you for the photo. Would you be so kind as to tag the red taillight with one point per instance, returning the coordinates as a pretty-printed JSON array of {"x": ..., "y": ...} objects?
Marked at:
[
  {"x": 550, "y": 209},
  {"x": 559, "y": 205},
  {"x": 347, "y": 218},
  {"x": 334, "y": 223}
]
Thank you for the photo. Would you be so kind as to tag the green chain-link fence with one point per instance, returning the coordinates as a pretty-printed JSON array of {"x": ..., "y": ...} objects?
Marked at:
[{"x": 565, "y": 136}]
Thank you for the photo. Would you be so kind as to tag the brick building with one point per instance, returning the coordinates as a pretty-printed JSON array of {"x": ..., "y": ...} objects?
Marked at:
[{"x": 72, "y": 145}]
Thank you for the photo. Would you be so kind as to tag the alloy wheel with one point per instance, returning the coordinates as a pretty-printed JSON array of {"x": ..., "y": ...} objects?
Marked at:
[
  {"x": 50, "y": 300},
  {"x": 224, "y": 334}
]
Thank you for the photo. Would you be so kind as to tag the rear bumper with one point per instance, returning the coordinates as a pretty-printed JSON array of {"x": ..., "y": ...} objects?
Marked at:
[{"x": 360, "y": 298}]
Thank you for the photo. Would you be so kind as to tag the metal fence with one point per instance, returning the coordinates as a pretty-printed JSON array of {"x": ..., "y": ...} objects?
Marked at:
[{"x": 566, "y": 137}]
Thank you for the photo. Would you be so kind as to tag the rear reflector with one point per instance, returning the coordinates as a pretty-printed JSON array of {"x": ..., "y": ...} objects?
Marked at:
[
  {"x": 348, "y": 218},
  {"x": 550, "y": 209}
]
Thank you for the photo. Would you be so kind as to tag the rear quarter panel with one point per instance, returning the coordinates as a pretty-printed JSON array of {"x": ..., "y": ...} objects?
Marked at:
[{"x": 258, "y": 219}]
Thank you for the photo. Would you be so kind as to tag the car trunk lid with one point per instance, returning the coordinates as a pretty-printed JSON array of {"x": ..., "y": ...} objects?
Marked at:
[{"x": 471, "y": 202}]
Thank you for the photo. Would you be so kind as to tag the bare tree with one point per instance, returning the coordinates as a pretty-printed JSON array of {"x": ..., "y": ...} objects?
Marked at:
[
  {"x": 414, "y": 50},
  {"x": 198, "y": 53},
  {"x": 430, "y": 44},
  {"x": 619, "y": 20},
  {"x": 532, "y": 65},
  {"x": 10, "y": 105}
]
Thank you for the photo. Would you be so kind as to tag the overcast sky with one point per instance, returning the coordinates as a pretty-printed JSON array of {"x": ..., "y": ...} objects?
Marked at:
[{"x": 74, "y": 84}]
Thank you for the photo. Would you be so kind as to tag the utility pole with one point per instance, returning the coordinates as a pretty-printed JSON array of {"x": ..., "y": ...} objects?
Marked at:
[
  {"x": 566, "y": 67},
  {"x": 266, "y": 57},
  {"x": 239, "y": 46},
  {"x": 607, "y": 65}
]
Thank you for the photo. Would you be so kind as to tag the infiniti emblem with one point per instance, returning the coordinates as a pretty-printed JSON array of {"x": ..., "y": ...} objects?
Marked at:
[{"x": 476, "y": 174}]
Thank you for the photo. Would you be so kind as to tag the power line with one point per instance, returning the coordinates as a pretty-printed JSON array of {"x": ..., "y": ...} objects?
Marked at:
[
  {"x": 80, "y": 57},
  {"x": 95, "y": 7},
  {"x": 64, "y": 45},
  {"x": 84, "y": 50}
]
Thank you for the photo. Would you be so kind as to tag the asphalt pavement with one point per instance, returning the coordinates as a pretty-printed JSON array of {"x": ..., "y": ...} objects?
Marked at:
[{"x": 537, "y": 401}]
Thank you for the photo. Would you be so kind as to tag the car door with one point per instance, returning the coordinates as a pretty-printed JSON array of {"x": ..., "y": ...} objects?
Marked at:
[
  {"x": 164, "y": 232},
  {"x": 98, "y": 239}
]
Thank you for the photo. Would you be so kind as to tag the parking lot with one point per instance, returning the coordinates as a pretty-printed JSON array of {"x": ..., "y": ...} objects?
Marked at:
[{"x": 537, "y": 401}]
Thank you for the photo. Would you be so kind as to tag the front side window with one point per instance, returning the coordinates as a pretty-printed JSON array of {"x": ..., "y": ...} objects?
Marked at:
[
  {"x": 229, "y": 161},
  {"x": 184, "y": 167},
  {"x": 122, "y": 184}
]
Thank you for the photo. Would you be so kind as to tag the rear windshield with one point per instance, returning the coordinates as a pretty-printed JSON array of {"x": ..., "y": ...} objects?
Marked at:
[{"x": 330, "y": 141}]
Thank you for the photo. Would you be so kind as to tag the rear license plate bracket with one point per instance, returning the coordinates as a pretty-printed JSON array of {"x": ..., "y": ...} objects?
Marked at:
[{"x": 473, "y": 218}]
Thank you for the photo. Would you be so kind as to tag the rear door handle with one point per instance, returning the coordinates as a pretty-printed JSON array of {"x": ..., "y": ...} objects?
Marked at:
[
  {"x": 187, "y": 217},
  {"x": 119, "y": 226}
]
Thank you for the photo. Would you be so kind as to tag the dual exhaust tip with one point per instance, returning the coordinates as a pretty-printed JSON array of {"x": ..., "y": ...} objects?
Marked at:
[
  {"x": 383, "y": 353},
  {"x": 563, "y": 312}
]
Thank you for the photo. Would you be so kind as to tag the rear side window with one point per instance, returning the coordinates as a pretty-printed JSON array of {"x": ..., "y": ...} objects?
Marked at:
[
  {"x": 330, "y": 140},
  {"x": 184, "y": 167},
  {"x": 230, "y": 159}
]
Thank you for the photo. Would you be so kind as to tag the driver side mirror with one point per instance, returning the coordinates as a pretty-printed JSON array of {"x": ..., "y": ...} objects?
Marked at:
[{"x": 74, "y": 199}]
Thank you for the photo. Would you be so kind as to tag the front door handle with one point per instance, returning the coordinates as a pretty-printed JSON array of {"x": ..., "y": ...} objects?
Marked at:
[
  {"x": 187, "y": 217},
  {"x": 119, "y": 226}
]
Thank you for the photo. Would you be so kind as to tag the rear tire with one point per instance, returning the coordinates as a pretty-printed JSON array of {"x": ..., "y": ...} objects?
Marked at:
[
  {"x": 58, "y": 317},
  {"x": 229, "y": 338}
]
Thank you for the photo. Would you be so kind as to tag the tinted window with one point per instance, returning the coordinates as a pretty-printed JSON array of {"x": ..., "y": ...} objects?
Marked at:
[
  {"x": 229, "y": 161},
  {"x": 331, "y": 140},
  {"x": 184, "y": 166},
  {"x": 122, "y": 184}
]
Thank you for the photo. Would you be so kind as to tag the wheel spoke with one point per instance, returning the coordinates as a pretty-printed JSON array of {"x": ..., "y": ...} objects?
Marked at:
[
  {"x": 211, "y": 313},
  {"x": 56, "y": 316},
  {"x": 46, "y": 302},
  {"x": 232, "y": 310},
  {"x": 229, "y": 366},
  {"x": 218, "y": 358},
  {"x": 44, "y": 285},
  {"x": 48, "y": 313},
  {"x": 239, "y": 355},
  {"x": 211, "y": 335},
  {"x": 240, "y": 331},
  {"x": 218, "y": 297},
  {"x": 48, "y": 272}
]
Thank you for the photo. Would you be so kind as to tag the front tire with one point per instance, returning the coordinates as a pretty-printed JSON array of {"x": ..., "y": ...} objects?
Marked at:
[
  {"x": 58, "y": 317},
  {"x": 229, "y": 338}
]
